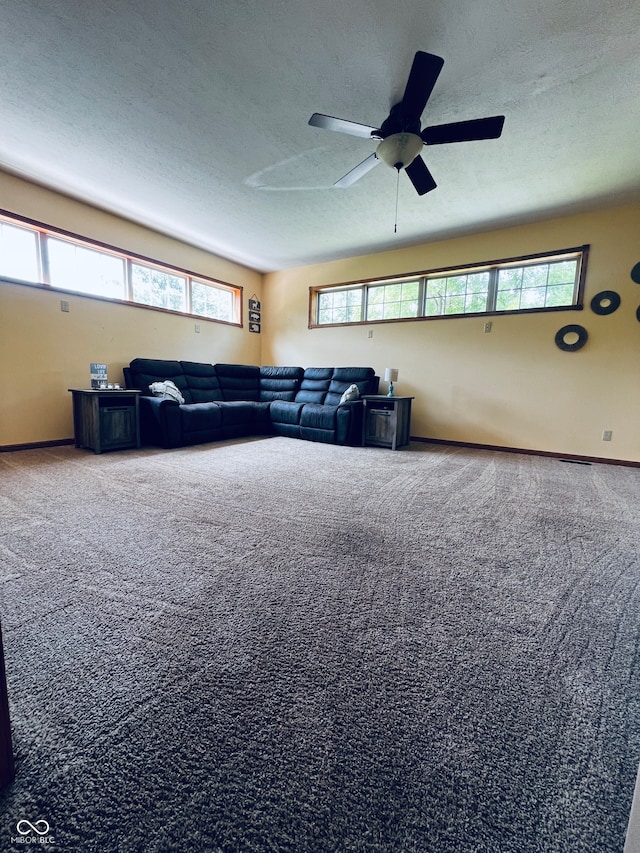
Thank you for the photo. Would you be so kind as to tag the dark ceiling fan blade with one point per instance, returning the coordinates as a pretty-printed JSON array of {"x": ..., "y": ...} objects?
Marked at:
[
  {"x": 463, "y": 131},
  {"x": 358, "y": 171},
  {"x": 420, "y": 176},
  {"x": 422, "y": 78},
  {"x": 341, "y": 125}
]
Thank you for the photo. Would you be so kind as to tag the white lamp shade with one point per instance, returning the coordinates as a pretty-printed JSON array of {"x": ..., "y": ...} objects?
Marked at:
[
  {"x": 391, "y": 374},
  {"x": 399, "y": 149}
]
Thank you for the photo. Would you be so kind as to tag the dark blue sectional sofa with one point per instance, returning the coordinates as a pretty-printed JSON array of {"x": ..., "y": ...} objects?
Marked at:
[{"x": 233, "y": 400}]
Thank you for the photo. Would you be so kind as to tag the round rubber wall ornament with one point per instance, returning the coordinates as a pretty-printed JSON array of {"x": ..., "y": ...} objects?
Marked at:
[
  {"x": 571, "y": 338},
  {"x": 605, "y": 302},
  {"x": 635, "y": 273}
]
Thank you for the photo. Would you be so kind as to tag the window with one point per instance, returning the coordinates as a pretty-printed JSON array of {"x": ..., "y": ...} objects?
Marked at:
[
  {"x": 152, "y": 286},
  {"x": 19, "y": 257},
  {"x": 547, "y": 282},
  {"x": 208, "y": 301},
  {"x": 77, "y": 268},
  {"x": 38, "y": 254},
  {"x": 393, "y": 300},
  {"x": 457, "y": 294},
  {"x": 537, "y": 286},
  {"x": 340, "y": 306}
]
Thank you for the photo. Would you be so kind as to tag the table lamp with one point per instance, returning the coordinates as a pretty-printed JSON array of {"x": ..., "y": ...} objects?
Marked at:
[{"x": 390, "y": 376}]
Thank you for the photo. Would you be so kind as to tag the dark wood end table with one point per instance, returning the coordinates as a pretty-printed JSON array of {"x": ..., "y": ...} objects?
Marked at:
[
  {"x": 386, "y": 421},
  {"x": 106, "y": 419}
]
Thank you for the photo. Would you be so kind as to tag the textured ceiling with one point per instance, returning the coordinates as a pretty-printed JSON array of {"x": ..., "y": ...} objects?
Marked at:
[{"x": 191, "y": 117}]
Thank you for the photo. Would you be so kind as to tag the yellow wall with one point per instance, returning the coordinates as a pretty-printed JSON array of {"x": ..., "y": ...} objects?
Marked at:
[
  {"x": 512, "y": 387},
  {"x": 44, "y": 351}
]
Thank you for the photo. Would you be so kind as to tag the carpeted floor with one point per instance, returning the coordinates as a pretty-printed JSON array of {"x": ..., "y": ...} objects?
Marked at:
[{"x": 276, "y": 645}]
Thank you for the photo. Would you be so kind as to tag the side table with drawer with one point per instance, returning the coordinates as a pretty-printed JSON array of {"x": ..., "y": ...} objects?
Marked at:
[
  {"x": 386, "y": 421},
  {"x": 106, "y": 419}
]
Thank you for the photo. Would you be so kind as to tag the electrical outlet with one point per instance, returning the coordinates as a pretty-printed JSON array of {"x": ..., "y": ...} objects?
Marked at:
[
  {"x": 197, "y": 327},
  {"x": 64, "y": 306},
  {"x": 487, "y": 326},
  {"x": 607, "y": 434},
  {"x": 370, "y": 333}
]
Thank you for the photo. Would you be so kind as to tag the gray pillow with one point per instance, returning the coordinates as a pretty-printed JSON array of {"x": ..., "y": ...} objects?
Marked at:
[
  {"x": 352, "y": 393},
  {"x": 167, "y": 389}
]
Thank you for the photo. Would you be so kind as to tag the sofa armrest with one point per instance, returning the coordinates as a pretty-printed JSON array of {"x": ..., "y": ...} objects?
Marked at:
[
  {"x": 160, "y": 421},
  {"x": 349, "y": 422}
]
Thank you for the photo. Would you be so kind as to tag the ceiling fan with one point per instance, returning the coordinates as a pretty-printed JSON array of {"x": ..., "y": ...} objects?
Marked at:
[{"x": 400, "y": 134}]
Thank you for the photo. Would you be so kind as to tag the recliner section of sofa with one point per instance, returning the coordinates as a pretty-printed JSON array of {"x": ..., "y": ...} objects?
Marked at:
[
  {"x": 235, "y": 400},
  {"x": 316, "y": 414}
]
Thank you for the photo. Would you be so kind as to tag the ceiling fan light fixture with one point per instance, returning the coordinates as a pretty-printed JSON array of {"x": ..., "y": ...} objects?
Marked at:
[{"x": 399, "y": 150}]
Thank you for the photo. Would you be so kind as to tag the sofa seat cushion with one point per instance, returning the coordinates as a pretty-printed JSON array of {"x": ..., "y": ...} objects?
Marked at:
[
  {"x": 200, "y": 416},
  {"x": 244, "y": 418},
  {"x": 285, "y": 412},
  {"x": 327, "y": 436},
  {"x": 336, "y": 424},
  {"x": 318, "y": 417},
  {"x": 237, "y": 412}
]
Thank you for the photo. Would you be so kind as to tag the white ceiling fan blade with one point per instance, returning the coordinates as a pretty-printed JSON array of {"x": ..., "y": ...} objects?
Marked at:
[
  {"x": 341, "y": 125},
  {"x": 356, "y": 173}
]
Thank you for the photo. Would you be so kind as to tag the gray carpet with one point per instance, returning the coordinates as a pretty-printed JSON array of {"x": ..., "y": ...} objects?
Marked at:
[{"x": 275, "y": 645}]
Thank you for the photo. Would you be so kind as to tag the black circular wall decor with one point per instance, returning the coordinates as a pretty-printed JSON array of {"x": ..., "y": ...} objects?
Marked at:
[
  {"x": 635, "y": 273},
  {"x": 638, "y": 314},
  {"x": 571, "y": 329},
  {"x": 605, "y": 302}
]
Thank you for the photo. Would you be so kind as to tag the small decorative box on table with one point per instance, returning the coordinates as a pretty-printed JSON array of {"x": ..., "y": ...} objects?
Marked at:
[
  {"x": 386, "y": 421},
  {"x": 106, "y": 419}
]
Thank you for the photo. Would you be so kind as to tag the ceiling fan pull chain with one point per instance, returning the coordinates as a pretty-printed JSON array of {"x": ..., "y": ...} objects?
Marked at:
[{"x": 395, "y": 227}]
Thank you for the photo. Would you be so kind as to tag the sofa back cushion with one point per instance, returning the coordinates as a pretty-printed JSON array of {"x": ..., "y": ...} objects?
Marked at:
[
  {"x": 343, "y": 377},
  {"x": 239, "y": 381},
  {"x": 203, "y": 381},
  {"x": 279, "y": 383},
  {"x": 143, "y": 372},
  {"x": 315, "y": 384}
]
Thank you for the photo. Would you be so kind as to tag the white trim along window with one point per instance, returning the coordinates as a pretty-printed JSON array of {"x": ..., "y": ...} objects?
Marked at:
[
  {"x": 36, "y": 254},
  {"x": 548, "y": 282}
]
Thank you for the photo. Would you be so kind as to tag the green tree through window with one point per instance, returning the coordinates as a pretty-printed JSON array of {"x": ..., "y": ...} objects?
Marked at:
[{"x": 548, "y": 282}]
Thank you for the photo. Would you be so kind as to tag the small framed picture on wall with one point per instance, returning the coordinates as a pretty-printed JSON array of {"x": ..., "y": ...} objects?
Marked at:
[{"x": 254, "y": 315}]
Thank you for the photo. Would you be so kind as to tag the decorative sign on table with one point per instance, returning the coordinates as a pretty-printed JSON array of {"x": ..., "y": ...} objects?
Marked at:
[
  {"x": 98, "y": 374},
  {"x": 254, "y": 315}
]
